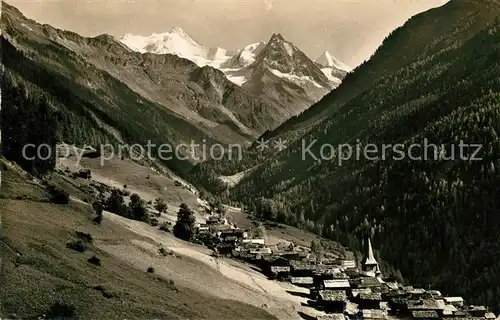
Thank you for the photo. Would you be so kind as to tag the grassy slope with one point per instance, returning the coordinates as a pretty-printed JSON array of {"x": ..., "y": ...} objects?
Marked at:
[{"x": 38, "y": 269}]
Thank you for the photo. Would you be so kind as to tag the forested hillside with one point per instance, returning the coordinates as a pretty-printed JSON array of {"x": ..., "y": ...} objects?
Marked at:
[
  {"x": 423, "y": 35},
  {"x": 436, "y": 220}
]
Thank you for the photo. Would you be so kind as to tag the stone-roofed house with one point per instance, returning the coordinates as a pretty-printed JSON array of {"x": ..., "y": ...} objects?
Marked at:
[
  {"x": 477, "y": 311},
  {"x": 332, "y": 316},
  {"x": 372, "y": 314},
  {"x": 370, "y": 282},
  {"x": 302, "y": 269},
  {"x": 336, "y": 284},
  {"x": 435, "y": 293},
  {"x": 307, "y": 282},
  {"x": 424, "y": 304},
  {"x": 357, "y": 291},
  {"x": 369, "y": 300},
  {"x": 348, "y": 264},
  {"x": 333, "y": 300},
  {"x": 279, "y": 272},
  {"x": 448, "y": 310},
  {"x": 456, "y": 301},
  {"x": 424, "y": 314}
]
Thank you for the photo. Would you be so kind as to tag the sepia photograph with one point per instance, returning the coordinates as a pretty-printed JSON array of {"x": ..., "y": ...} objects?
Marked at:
[{"x": 250, "y": 159}]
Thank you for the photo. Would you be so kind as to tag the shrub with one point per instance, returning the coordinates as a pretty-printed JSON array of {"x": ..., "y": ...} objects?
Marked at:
[
  {"x": 60, "y": 310},
  {"x": 97, "y": 219},
  {"x": 77, "y": 245},
  {"x": 160, "y": 205},
  {"x": 163, "y": 252},
  {"x": 87, "y": 237},
  {"x": 154, "y": 222},
  {"x": 58, "y": 196},
  {"x": 151, "y": 270},
  {"x": 164, "y": 227},
  {"x": 94, "y": 260}
]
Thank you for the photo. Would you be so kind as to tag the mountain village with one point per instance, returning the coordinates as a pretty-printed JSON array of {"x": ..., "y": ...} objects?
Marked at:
[{"x": 342, "y": 288}]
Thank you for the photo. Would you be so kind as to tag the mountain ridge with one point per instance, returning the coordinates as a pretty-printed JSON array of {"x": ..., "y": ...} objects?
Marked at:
[{"x": 227, "y": 116}]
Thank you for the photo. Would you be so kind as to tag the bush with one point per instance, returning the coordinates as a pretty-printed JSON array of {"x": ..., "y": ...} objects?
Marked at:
[
  {"x": 87, "y": 237},
  {"x": 58, "y": 196},
  {"x": 97, "y": 219},
  {"x": 94, "y": 260},
  {"x": 154, "y": 222},
  {"x": 77, "y": 245},
  {"x": 160, "y": 205},
  {"x": 163, "y": 252},
  {"x": 60, "y": 310},
  {"x": 164, "y": 227},
  {"x": 151, "y": 270}
]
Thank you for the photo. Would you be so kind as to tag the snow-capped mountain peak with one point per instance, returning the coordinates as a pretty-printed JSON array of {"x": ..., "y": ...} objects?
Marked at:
[
  {"x": 278, "y": 56},
  {"x": 328, "y": 60},
  {"x": 176, "y": 41}
]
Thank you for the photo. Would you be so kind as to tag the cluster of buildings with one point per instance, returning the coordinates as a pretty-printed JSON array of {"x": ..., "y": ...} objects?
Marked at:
[
  {"x": 344, "y": 291},
  {"x": 341, "y": 288}
]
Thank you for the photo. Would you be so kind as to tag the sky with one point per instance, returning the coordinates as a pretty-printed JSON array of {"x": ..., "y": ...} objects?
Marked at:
[{"x": 350, "y": 30}]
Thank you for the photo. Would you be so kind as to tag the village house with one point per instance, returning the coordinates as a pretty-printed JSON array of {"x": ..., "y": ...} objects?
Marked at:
[
  {"x": 336, "y": 284},
  {"x": 355, "y": 292},
  {"x": 348, "y": 264},
  {"x": 334, "y": 301},
  {"x": 371, "y": 314},
  {"x": 302, "y": 269},
  {"x": 306, "y": 282},
  {"x": 368, "y": 282},
  {"x": 424, "y": 314},
  {"x": 254, "y": 242},
  {"x": 276, "y": 268},
  {"x": 278, "y": 272},
  {"x": 332, "y": 316},
  {"x": 456, "y": 301},
  {"x": 448, "y": 311},
  {"x": 435, "y": 294},
  {"x": 203, "y": 229},
  {"x": 477, "y": 311},
  {"x": 321, "y": 274},
  {"x": 260, "y": 253},
  {"x": 392, "y": 285},
  {"x": 232, "y": 235},
  {"x": 367, "y": 300}
]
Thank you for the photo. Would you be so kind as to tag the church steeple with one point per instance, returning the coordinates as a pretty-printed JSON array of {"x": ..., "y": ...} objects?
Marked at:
[{"x": 370, "y": 265}]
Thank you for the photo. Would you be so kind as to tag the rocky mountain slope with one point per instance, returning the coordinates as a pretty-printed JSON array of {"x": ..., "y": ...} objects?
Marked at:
[
  {"x": 437, "y": 219},
  {"x": 276, "y": 70},
  {"x": 132, "y": 96},
  {"x": 333, "y": 69}
]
